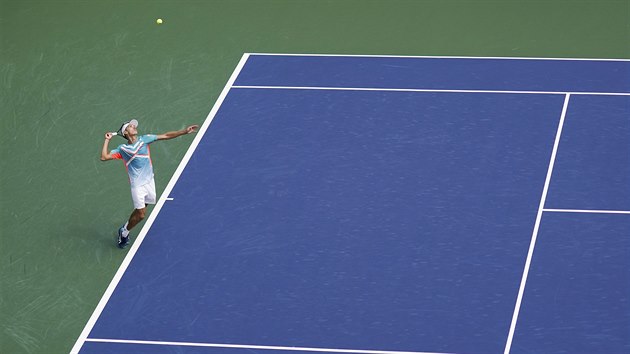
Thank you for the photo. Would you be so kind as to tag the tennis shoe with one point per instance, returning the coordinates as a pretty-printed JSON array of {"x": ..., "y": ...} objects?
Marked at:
[{"x": 123, "y": 239}]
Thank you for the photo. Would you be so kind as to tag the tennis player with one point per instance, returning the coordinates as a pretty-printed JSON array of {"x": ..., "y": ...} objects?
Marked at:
[{"x": 136, "y": 155}]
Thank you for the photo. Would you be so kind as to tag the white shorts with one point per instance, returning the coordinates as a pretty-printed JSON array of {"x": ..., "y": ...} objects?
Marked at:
[{"x": 143, "y": 195}]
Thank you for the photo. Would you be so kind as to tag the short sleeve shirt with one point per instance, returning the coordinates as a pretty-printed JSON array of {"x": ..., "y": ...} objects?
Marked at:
[{"x": 137, "y": 159}]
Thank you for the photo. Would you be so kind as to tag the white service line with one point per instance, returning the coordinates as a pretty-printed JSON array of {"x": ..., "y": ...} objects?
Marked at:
[
  {"x": 134, "y": 248},
  {"x": 587, "y": 211},
  {"x": 255, "y": 347},
  {"x": 532, "y": 243}
]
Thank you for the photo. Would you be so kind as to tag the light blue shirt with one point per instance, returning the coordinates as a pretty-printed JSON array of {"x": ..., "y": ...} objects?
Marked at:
[{"x": 137, "y": 159}]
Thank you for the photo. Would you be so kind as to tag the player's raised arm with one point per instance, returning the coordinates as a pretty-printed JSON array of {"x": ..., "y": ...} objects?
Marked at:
[
  {"x": 174, "y": 134},
  {"x": 105, "y": 155}
]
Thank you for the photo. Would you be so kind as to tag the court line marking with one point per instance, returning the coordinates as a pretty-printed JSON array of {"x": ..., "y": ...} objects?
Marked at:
[
  {"x": 259, "y": 347},
  {"x": 264, "y": 87},
  {"x": 436, "y": 57},
  {"x": 134, "y": 248},
  {"x": 532, "y": 243},
  {"x": 587, "y": 211}
]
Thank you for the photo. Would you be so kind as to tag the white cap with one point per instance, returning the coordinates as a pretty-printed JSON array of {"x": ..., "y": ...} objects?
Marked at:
[{"x": 124, "y": 126}]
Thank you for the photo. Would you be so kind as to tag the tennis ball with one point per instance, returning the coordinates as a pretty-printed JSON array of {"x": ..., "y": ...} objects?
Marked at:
[{"x": 159, "y": 21}]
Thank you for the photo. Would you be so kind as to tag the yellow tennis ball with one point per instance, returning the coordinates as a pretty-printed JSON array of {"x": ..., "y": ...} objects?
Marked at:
[{"x": 159, "y": 21}]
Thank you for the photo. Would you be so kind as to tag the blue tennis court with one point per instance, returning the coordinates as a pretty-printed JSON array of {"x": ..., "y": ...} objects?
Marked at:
[{"x": 373, "y": 204}]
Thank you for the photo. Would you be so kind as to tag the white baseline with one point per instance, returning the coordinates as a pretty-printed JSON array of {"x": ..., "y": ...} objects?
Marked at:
[{"x": 134, "y": 248}]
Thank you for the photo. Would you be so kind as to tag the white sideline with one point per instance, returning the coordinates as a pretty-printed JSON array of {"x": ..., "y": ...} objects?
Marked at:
[
  {"x": 254, "y": 347},
  {"x": 429, "y": 90}
]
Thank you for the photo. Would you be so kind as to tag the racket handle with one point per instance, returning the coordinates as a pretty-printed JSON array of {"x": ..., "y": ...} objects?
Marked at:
[{"x": 114, "y": 133}]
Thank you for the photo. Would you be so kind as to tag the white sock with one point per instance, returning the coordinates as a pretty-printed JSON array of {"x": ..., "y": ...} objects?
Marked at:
[{"x": 125, "y": 231}]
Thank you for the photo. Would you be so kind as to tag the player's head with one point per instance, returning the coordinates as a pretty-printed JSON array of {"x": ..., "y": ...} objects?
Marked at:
[{"x": 128, "y": 128}]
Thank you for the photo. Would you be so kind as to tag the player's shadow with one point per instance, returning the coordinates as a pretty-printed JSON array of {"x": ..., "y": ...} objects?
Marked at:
[{"x": 96, "y": 237}]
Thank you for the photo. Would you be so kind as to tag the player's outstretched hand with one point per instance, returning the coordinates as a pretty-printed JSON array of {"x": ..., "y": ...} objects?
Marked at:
[{"x": 192, "y": 129}]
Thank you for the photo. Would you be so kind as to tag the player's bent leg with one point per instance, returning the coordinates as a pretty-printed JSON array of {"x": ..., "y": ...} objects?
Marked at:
[
  {"x": 135, "y": 218},
  {"x": 141, "y": 196},
  {"x": 123, "y": 233}
]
